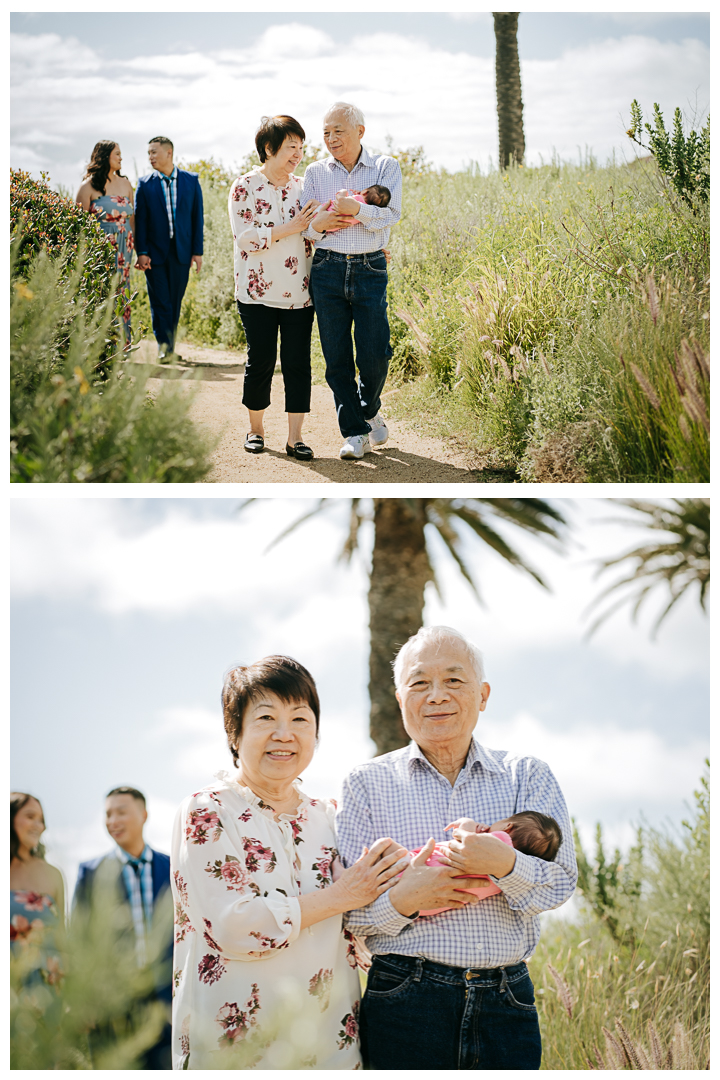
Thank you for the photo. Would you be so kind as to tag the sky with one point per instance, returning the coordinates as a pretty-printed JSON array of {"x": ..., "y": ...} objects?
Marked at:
[
  {"x": 127, "y": 612},
  {"x": 420, "y": 78}
]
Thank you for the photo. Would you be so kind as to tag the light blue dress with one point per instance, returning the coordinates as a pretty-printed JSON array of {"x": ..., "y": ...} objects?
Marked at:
[{"x": 113, "y": 211}]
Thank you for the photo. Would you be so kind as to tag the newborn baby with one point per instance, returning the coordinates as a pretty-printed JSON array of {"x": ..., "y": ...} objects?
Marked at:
[
  {"x": 528, "y": 831},
  {"x": 375, "y": 195}
]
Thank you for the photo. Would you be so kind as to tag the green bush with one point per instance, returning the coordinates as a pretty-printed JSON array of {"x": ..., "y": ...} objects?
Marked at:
[
  {"x": 684, "y": 160},
  {"x": 67, "y": 424},
  {"x": 47, "y": 221}
]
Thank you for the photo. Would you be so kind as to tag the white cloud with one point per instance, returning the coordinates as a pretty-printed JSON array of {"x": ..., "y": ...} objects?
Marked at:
[
  {"x": 420, "y": 94},
  {"x": 610, "y": 773}
]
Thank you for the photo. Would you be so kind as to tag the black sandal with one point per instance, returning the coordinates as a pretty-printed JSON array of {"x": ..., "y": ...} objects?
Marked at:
[
  {"x": 299, "y": 451},
  {"x": 254, "y": 444}
]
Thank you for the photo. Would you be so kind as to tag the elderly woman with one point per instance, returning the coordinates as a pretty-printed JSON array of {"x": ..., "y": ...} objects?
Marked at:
[
  {"x": 272, "y": 274},
  {"x": 261, "y": 959}
]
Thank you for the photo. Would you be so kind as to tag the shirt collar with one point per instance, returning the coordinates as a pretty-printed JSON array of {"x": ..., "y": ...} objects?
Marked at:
[
  {"x": 364, "y": 159},
  {"x": 476, "y": 755},
  {"x": 125, "y": 858},
  {"x": 173, "y": 174}
]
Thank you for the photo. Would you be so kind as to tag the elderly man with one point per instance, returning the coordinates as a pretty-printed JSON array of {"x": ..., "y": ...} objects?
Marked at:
[
  {"x": 348, "y": 280},
  {"x": 451, "y": 991}
]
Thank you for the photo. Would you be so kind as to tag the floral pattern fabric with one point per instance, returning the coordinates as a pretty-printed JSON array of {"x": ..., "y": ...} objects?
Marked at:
[
  {"x": 246, "y": 978},
  {"x": 273, "y": 273},
  {"x": 113, "y": 211},
  {"x": 33, "y": 919}
]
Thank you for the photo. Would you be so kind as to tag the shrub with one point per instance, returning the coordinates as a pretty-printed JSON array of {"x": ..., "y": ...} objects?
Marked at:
[
  {"x": 68, "y": 425},
  {"x": 47, "y": 221},
  {"x": 684, "y": 160}
]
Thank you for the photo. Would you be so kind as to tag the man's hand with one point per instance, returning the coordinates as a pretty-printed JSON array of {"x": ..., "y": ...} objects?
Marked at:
[
  {"x": 197, "y": 259},
  {"x": 426, "y": 887},
  {"x": 330, "y": 219},
  {"x": 347, "y": 205},
  {"x": 143, "y": 263},
  {"x": 478, "y": 854}
]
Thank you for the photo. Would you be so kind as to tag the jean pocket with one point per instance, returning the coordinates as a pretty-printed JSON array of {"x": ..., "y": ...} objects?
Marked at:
[
  {"x": 384, "y": 983},
  {"x": 521, "y": 995},
  {"x": 318, "y": 260},
  {"x": 378, "y": 265}
]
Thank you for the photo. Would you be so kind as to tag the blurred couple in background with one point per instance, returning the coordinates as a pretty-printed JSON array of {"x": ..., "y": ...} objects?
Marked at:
[
  {"x": 164, "y": 226},
  {"x": 121, "y": 914}
]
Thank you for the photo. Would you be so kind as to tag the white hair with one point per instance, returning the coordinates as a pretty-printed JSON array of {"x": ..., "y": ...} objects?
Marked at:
[
  {"x": 351, "y": 113},
  {"x": 437, "y": 635}
]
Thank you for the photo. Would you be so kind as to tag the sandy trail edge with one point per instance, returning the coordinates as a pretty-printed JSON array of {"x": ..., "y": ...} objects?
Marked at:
[{"x": 407, "y": 458}]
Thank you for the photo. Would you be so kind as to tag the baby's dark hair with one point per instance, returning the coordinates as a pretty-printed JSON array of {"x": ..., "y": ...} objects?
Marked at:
[
  {"x": 384, "y": 194},
  {"x": 536, "y": 834}
]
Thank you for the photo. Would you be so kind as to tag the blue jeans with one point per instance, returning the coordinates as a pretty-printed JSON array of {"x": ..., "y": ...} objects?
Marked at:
[
  {"x": 416, "y": 1014},
  {"x": 349, "y": 289}
]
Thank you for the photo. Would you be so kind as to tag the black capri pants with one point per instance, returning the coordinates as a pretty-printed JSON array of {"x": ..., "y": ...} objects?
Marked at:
[{"x": 261, "y": 324}]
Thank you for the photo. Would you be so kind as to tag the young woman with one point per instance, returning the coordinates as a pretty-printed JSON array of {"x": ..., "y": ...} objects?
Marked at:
[
  {"x": 107, "y": 194},
  {"x": 37, "y": 896}
]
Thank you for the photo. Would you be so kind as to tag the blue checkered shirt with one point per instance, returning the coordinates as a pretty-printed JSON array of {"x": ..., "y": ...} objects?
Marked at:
[
  {"x": 140, "y": 890},
  {"x": 323, "y": 180},
  {"x": 170, "y": 193},
  {"x": 403, "y": 796}
]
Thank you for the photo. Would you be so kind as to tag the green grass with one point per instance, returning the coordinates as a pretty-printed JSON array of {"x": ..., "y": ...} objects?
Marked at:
[{"x": 542, "y": 314}]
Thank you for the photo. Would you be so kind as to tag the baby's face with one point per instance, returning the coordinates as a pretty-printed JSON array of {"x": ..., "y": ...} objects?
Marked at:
[{"x": 373, "y": 197}]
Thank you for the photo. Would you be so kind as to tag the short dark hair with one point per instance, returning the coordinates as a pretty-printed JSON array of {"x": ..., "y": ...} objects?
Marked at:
[
  {"x": 536, "y": 834},
  {"x": 384, "y": 193},
  {"x": 281, "y": 675},
  {"x": 18, "y": 799},
  {"x": 163, "y": 140},
  {"x": 128, "y": 791},
  {"x": 273, "y": 132}
]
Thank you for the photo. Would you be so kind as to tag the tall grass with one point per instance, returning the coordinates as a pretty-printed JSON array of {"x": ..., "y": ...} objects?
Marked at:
[
  {"x": 628, "y": 985},
  {"x": 559, "y": 317}
]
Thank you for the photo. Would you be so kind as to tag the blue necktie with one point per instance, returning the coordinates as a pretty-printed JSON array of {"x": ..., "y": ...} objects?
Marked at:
[{"x": 168, "y": 181}]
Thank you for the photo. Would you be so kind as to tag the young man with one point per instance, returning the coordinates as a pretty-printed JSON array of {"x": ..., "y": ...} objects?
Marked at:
[
  {"x": 136, "y": 878},
  {"x": 168, "y": 238},
  {"x": 348, "y": 280}
]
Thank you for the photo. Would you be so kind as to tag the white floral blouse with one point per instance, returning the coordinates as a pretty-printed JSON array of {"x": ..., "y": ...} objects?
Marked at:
[
  {"x": 245, "y": 975},
  {"x": 276, "y": 274}
]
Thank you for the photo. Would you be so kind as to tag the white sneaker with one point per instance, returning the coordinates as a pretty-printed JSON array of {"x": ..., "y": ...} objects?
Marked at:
[
  {"x": 378, "y": 430},
  {"x": 355, "y": 446}
]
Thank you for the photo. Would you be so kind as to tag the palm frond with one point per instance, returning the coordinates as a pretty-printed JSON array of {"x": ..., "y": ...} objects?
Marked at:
[
  {"x": 676, "y": 563},
  {"x": 473, "y": 518},
  {"x": 450, "y": 538}
]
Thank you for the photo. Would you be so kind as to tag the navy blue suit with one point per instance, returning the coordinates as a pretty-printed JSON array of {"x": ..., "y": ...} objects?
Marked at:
[
  {"x": 170, "y": 257},
  {"x": 108, "y": 868}
]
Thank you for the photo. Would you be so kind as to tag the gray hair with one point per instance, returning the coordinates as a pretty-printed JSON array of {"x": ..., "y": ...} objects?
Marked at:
[
  {"x": 436, "y": 635},
  {"x": 351, "y": 113}
]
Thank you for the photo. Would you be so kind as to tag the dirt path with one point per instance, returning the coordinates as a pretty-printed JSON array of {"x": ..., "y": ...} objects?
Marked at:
[{"x": 407, "y": 458}]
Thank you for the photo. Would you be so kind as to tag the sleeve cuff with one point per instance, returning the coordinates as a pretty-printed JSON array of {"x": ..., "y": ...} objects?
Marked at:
[
  {"x": 313, "y": 235},
  {"x": 365, "y": 214},
  {"x": 519, "y": 880},
  {"x": 386, "y": 916}
]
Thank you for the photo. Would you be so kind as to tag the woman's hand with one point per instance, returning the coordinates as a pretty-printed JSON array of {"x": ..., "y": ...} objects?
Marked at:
[{"x": 375, "y": 871}]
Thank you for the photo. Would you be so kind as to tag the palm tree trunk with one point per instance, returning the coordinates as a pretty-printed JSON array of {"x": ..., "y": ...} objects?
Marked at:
[
  {"x": 509, "y": 91},
  {"x": 400, "y": 572}
]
